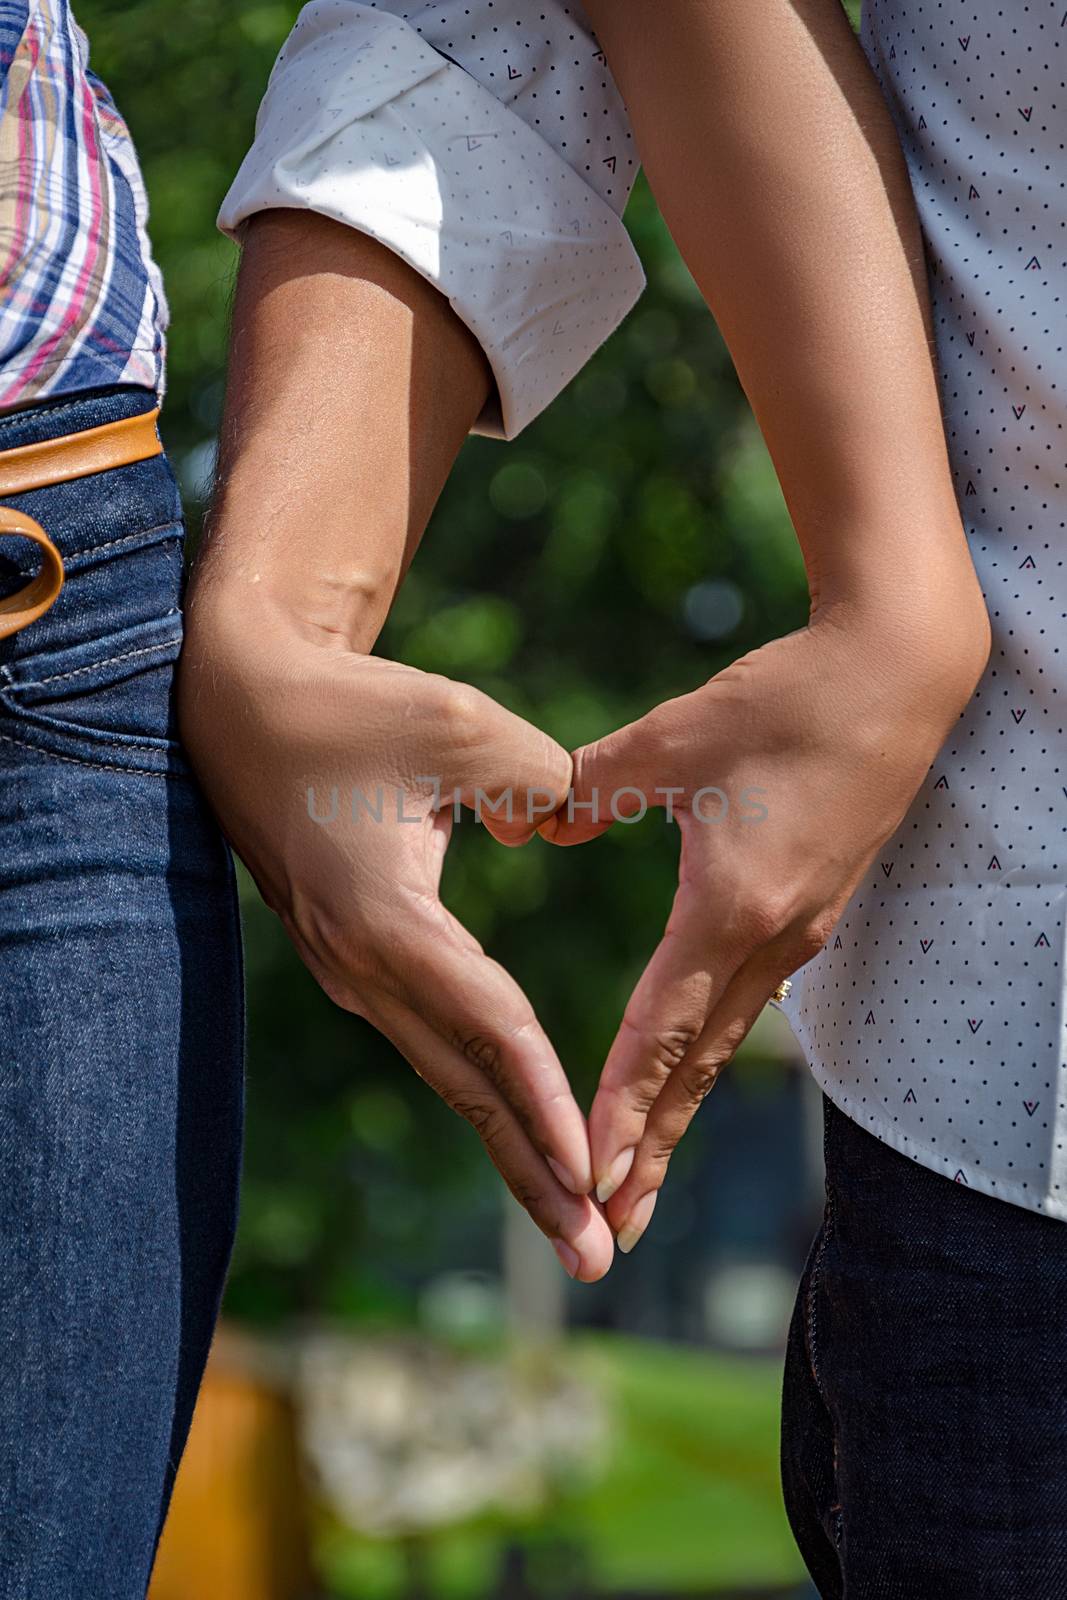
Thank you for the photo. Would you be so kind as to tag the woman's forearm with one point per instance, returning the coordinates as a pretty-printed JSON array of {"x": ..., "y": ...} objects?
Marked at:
[{"x": 775, "y": 164}]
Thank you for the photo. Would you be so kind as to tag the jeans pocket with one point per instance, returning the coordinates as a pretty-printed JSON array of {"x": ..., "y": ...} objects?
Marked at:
[{"x": 109, "y": 699}]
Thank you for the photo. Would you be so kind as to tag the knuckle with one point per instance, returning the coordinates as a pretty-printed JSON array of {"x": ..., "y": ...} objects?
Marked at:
[
  {"x": 660, "y": 1052},
  {"x": 635, "y": 1097},
  {"x": 766, "y": 918},
  {"x": 348, "y": 997},
  {"x": 498, "y": 1051},
  {"x": 672, "y": 1043},
  {"x": 815, "y": 934},
  {"x": 643, "y": 1095},
  {"x": 486, "y": 1053},
  {"x": 341, "y": 944},
  {"x": 661, "y": 1146},
  {"x": 485, "y": 1116},
  {"x": 663, "y": 1048},
  {"x": 696, "y": 1079},
  {"x": 639, "y": 1093},
  {"x": 728, "y": 1040},
  {"x": 359, "y": 969},
  {"x": 459, "y": 709},
  {"x": 526, "y": 1193},
  {"x": 348, "y": 980}
]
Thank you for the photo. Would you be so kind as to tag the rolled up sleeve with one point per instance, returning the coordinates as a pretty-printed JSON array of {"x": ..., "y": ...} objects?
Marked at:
[{"x": 366, "y": 122}]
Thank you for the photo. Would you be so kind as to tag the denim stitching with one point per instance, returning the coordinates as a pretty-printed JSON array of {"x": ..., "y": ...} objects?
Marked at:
[
  {"x": 111, "y": 544},
  {"x": 811, "y": 1328},
  {"x": 54, "y": 410},
  {"x": 111, "y": 744},
  {"x": 129, "y": 655},
  {"x": 60, "y": 409},
  {"x": 97, "y": 766}
]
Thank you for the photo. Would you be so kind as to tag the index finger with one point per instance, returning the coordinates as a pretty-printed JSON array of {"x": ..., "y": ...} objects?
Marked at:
[
  {"x": 684, "y": 1092},
  {"x": 574, "y": 1223},
  {"x": 664, "y": 1017},
  {"x": 474, "y": 1005}
]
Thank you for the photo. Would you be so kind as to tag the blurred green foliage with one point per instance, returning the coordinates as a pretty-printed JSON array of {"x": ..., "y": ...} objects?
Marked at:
[{"x": 627, "y": 546}]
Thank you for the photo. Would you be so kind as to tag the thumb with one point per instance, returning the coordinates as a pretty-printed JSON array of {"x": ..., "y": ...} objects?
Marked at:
[
  {"x": 509, "y": 772},
  {"x": 614, "y": 777}
]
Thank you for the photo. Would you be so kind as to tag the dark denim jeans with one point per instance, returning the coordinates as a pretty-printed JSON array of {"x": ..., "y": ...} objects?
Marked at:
[
  {"x": 121, "y": 1037},
  {"x": 924, "y": 1438}
]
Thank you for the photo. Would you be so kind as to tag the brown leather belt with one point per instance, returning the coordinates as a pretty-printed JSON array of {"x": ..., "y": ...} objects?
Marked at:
[{"x": 36, "y": 466}]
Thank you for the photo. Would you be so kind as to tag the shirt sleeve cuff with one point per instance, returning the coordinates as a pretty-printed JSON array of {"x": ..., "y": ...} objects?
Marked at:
[{"x": 365, "y": 122}]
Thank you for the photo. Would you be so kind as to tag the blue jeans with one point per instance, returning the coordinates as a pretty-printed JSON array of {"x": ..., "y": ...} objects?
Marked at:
[
  {"x": 121, "y": 1036},
  {"x": 924, "y": 1436}
]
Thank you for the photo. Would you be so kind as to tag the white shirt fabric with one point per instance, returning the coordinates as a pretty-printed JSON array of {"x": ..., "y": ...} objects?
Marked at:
[
  {"x": 936, "y": 1014},
  {"x": 487, "y": 144}
]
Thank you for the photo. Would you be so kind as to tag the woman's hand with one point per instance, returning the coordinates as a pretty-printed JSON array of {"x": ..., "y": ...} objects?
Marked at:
[
  {"x": 803, "y": 237},
  {"x": 333, "y": 774},
  {"x": 808, "y": 752}
]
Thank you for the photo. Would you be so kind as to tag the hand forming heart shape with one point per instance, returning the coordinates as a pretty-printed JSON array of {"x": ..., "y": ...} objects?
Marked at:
[{"x": 784, "y": 773}]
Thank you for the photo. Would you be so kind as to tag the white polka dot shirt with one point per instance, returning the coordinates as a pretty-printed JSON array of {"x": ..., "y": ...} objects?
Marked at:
[
  {"x": 935, "y": 1016},
  {"x": 486, "y": 143}
]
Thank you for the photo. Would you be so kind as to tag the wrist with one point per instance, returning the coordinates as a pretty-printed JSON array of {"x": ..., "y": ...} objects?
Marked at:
[
  {"x": 333, "y": 607},
  {"x": 909, "y": 668},
  {"x": 933, "y": 633},
  {"x": 308, "y": 558}
]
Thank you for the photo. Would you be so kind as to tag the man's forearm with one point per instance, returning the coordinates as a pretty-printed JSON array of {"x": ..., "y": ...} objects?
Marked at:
[
  {"x": 352, "y": 385},
  {"x": 776, "y": 166}
]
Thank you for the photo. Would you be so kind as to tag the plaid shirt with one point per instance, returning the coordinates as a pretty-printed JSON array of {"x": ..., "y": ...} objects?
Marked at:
[{"x": 81, "y": 300}]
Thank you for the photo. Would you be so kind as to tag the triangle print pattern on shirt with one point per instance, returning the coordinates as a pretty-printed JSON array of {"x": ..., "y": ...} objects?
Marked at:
[{"x": 935, "y": 1014}]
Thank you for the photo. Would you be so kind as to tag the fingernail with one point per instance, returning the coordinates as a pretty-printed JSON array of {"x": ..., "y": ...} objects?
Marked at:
[
  {"x": 615, "y": 1175},
  {"x": 636, "y": 1223},
  {"x": 569, "y": 1259},
  {"x": 566, "y": 1177}
]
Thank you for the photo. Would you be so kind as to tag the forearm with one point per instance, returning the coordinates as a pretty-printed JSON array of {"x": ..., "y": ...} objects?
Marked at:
[
  {"x": 351, "y": 387},
  {"x": 775, "y": 164}
]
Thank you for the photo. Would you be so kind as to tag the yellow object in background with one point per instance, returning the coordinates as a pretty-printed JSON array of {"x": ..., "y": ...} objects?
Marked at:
[{"x": 237, "y": 1528}]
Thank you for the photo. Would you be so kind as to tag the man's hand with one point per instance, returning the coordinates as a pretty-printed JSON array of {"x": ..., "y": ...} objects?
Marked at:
[
  {"x": 785, "y": 773},
  {"x": 333, "y": 776},
  {"x": 352, "y": 385}
]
